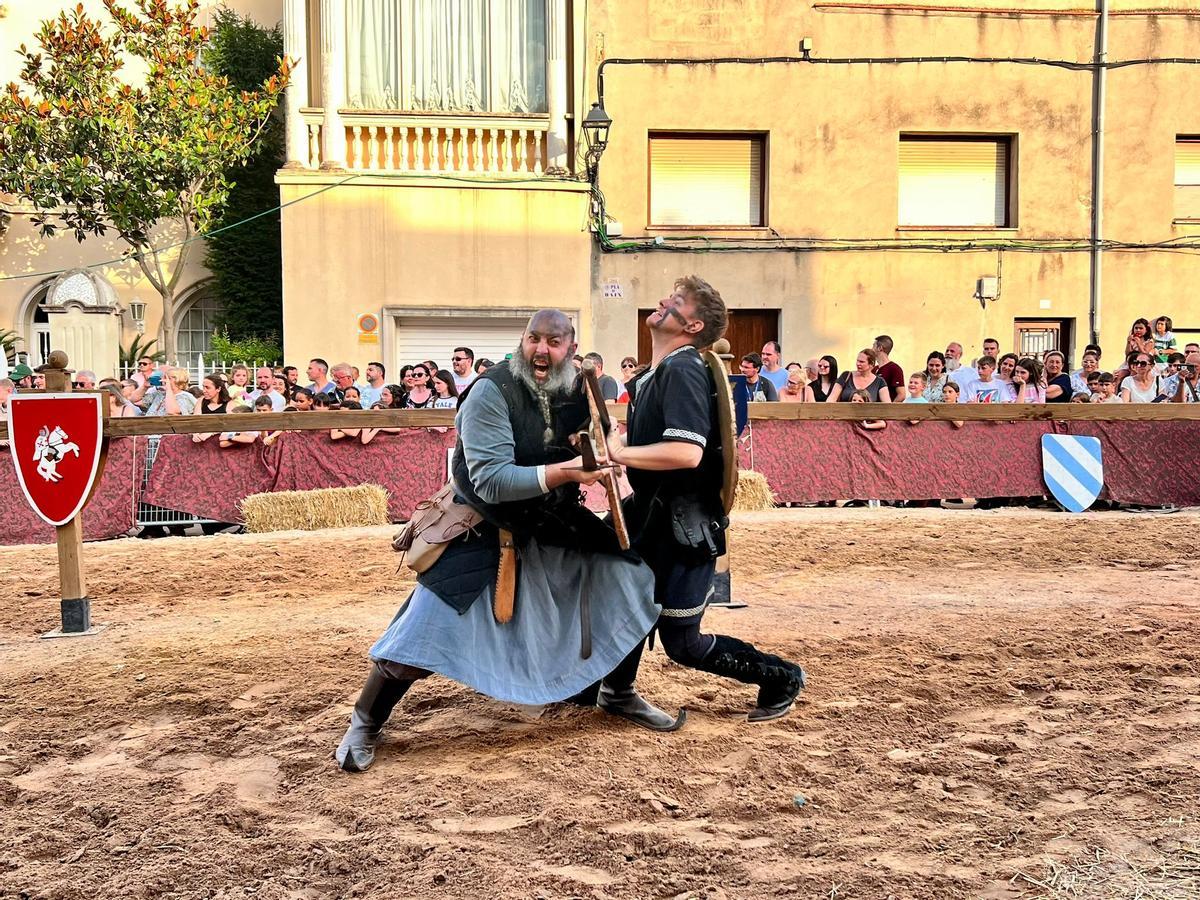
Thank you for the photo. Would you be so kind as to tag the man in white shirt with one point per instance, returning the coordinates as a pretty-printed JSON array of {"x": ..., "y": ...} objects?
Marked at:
[
  {"x": 772, "y": 368},
  {"x": 462, "y": 362},
  {"x": 376, "y": 378},
  {"x": 264, "y": 382},
  {"x": 959, "y": 374}
]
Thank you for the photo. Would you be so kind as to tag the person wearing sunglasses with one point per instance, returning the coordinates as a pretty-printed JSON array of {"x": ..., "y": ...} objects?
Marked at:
[
  {"x": 420, "y": 394},
  {"x": 1189, "y": 380},
  {"x": 1142, "y": 385},
  {"x": 462, "y": 362}
]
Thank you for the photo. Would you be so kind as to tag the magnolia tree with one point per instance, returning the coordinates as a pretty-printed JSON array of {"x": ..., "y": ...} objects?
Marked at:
[{"x": 93, "y": 153}]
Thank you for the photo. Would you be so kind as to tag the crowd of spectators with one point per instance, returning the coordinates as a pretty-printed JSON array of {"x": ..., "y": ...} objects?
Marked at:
[{"x": 1150, "y": 370}]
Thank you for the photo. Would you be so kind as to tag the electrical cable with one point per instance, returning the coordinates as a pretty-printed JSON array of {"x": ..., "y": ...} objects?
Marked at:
[
  {"x": 431, "y": 176},
  {"x": 1068, "y": 64}
]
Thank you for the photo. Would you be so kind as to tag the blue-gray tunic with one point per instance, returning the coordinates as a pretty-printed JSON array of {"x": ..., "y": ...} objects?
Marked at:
[{"x": 535, "y": 657}]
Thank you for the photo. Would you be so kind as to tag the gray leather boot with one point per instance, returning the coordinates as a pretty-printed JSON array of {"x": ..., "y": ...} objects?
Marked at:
[{"x": 379, "y": 696}]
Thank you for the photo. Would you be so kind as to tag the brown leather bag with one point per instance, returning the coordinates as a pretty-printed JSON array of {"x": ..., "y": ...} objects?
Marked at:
[{"x": 434, "y": 523}]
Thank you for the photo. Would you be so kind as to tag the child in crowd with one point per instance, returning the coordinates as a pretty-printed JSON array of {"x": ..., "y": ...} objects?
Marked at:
[
  {"x": 1164, "y": 340},
  {"x": 263, "y": 404},
  {"x": 1108, "y": 388},
  {"x": 868, "y": 424},
  {"x": 232, "y": 438},
  {"x": 336, "y": 434},
  {"x": 950, "y": 395},
  {"x": 917, "y": 382}
]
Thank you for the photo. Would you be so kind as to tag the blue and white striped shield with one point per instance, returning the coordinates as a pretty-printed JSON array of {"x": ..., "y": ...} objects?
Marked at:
[{"x": 1073, "y": 470}]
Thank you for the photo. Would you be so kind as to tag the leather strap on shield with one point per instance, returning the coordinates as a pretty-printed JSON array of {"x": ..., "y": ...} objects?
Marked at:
[
  {"x": 506, "y": 579},
  {"x": 725, "y": 427}
]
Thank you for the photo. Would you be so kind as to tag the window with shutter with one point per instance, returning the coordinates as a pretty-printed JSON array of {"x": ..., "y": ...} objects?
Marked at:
[
  {"x": 706, "y": 181},
  {"x": 1187, "y": 178},
  {"x": 954, "y": 182}
]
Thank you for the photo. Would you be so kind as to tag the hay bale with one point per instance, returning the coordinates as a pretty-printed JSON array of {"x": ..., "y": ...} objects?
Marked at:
[
  {"x": 344, "y": 507},
  {"x": 753, "y": 493}
]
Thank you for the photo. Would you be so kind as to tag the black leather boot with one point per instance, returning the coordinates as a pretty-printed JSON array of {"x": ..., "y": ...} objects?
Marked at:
[
  {"x": 779, "y": 681},
  {"x": 618, "y": 696},
  {"x": 629, "y": 704},
  {"x": 379, "y": 696}
]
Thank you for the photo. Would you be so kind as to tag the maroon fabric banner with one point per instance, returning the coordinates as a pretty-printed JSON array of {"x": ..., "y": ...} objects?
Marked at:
[
  {"x": 807, "y": 461},
  {"x": 207, "y": 480},
  {"x": 410, "y": 464},
  {"x": 210, "y": 481},
  {"x": 109, "y": 514},
  {"x": 1151, "y": 463}
]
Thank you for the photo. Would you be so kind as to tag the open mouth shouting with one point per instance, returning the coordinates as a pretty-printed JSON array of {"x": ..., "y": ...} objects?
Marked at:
[{"x": 541, "y": 367}]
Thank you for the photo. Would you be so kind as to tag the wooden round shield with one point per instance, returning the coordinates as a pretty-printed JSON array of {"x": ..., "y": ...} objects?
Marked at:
[{"x": 725, "y": 424}]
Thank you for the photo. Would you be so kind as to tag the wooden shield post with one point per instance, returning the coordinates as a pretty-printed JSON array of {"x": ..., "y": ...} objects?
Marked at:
[
  {"x": 75, "y": 604},
  {"x": 715, "y": 360}
]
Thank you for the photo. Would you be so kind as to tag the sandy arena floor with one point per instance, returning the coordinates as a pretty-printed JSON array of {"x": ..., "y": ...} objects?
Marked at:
[{"x": 1001, "y": 704}]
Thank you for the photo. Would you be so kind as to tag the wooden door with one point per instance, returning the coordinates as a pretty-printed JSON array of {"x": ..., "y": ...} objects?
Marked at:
[{"x": 748, "y": 330}]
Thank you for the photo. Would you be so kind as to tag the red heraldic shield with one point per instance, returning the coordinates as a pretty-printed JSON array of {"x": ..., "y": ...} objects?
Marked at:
[{"x": 56, "y": 441}]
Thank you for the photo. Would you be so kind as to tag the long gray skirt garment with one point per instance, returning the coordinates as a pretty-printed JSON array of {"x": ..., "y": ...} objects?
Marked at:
[{"x": 533, "y": 658}]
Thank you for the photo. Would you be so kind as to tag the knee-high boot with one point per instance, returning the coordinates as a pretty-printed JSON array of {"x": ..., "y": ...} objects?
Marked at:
[
  {"x": 779, "y": 681},
  {"x": 379, "y": 696}
]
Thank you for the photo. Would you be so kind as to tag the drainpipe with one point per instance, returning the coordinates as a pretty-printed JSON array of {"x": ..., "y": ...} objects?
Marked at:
[{"x": 1099, "y": 79}]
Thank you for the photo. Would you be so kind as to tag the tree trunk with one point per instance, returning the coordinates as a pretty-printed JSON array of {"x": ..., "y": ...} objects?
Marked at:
[{"x": 168, "y": 326}]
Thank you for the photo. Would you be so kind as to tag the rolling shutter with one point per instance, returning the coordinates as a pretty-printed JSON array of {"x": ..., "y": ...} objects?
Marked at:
[
  {"x": 435, "y": 337},
  {"x": 1187, "y": 178},
  {"x": 953, "y": 182},
  {"x": 706, "y": 180}
]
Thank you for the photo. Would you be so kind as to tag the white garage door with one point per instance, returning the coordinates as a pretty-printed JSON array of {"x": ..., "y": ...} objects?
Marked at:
[{"x": 435, "y": 337}]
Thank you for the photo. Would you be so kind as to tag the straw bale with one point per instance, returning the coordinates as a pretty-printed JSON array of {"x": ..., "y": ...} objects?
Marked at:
[
  {"x": 343, "y": 507},
  {"x": 753, "y": 492}
]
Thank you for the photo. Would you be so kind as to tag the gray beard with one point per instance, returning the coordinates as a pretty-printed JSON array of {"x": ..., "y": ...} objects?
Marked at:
[{"x": 560, "y": 380}]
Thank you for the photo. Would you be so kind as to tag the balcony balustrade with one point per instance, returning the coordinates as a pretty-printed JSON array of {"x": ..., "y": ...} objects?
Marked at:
[{"x": 413, "y": 144}]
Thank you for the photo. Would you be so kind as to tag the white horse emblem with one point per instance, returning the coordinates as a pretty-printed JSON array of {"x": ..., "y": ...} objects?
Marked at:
[{"x": 50, "y": 449}]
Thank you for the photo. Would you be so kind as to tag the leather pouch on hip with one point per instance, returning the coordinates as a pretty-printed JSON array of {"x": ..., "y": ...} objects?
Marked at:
[
  {"x": 695, "y": 529},
  {"x": 434, "y": 523}
]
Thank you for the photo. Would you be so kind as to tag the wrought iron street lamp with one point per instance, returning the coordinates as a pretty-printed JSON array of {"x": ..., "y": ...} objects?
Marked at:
[{"x": 595, "y": 134}]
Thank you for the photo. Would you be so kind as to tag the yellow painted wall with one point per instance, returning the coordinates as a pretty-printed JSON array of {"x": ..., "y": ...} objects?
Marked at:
[
  {"x": 407, "y": 242},
  {"x": 832, "y": 169},
  {"x": 23, "y": 253}
]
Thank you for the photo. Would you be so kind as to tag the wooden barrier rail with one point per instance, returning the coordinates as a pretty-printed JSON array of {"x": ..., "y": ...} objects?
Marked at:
[{"x": 825, "y": 412}]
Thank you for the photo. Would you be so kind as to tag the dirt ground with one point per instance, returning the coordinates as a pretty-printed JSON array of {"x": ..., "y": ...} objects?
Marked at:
[{"x": 1001, "y": 704}]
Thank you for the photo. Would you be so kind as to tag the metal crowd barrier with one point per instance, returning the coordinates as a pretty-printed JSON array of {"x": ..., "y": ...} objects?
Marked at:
[{"x": 148, "y": 513}]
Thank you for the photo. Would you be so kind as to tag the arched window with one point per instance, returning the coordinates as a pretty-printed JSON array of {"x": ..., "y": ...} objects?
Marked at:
[
  {"x": 35, "y": 327},
  {"x": 197, "y": 323}
]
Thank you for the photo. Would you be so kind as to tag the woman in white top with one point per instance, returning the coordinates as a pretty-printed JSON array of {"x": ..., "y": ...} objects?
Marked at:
[
  {"x": 1143, "y": 385},
  {"x": 447, "y": 392}
]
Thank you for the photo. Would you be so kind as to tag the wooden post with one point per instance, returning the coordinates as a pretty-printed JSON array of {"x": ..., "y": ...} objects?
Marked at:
[{"x": 75, "y": 605}]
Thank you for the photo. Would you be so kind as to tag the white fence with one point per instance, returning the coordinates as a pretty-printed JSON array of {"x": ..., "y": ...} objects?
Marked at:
[{"x": 196, "y": 371}]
